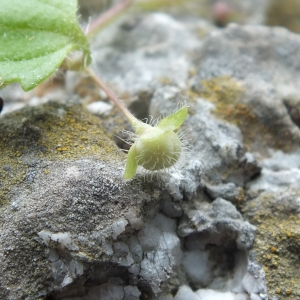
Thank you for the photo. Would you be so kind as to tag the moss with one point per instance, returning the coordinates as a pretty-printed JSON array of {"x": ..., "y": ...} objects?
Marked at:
[
  {"x": 277, "y": 243},
  {"x": 227, "y": 94},
  {"x": 284, "y": 13},
  {"x": 51, "y": 132}
]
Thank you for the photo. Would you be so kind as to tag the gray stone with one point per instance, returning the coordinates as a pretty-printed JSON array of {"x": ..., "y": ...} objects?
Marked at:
[
  {"x": 70, "y": 208},
  {"x": 227, "y": 191},
  {"x": 266, "y": 70},
  {"x": 217, "y": 149},
  {"x": 99, "y": 108},
  {"x": 211, "y": 232},
  {"x": 72, "y": 228},
  {"x": 277, "y": 212},
  {"x": 276, "y": 180},
  {"x": 171, "y": 208},
  {"x": 211, "y": 223},
  {"x": 280, "y": 160},
  {"x": 141, "y": 53}
]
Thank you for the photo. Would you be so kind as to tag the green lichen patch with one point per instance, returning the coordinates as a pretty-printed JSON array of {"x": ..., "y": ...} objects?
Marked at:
[
  {"x": 277, "y": 243},
  {"x": 53, "y": 132},
  {"x": 227, "y": 95},
  {"x": 284, "y": 13}
]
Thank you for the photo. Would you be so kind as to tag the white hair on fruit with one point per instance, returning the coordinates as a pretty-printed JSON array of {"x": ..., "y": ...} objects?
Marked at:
[{"x": 159, "y": 146}]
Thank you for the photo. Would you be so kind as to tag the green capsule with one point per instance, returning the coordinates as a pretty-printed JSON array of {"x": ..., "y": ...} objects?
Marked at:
[{"x": 156, "y": 148}]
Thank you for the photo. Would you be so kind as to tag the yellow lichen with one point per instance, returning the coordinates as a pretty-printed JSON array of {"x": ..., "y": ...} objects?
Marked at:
[
  {"x": 273, "y": 249},
  {"x": 227, "y": 95},
  {"x": 41, "y": 132},
  {"x": 278, "y": 233}
]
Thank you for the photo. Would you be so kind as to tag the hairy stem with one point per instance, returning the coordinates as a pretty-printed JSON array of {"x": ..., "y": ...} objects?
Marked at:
[
  {"x": 96, "y": 25},
  {"x": 131, "y": 118},
  {"x": 106, "y": 17}
]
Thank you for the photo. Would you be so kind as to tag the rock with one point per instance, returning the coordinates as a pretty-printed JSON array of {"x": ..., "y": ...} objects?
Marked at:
[
  {"x": 276, "y": 215},
  {"x": 62, "y": 205},
  {"x": 72, "y": 228},
  {"x": 227, "y": 191},
  {"x": 229, "y": 64},
  {"x": 281, "y": 170},
  {"x": 280, "y": 161},
  {"x": 254, "y": 281},
  {"x": 197, "y": 267},
  {"x": 79, "y": 217},
  {"x": 213, "y": 235},
  {"x": 210, "y": 223},
  {"x": 211, "y": 294},
  {"x": 99, "y": 108},
  {"x": 144, "y": 51},
  {"x": 275, "y": 180},
  {"x": 186, "y": 293},
  {"x": 217, "y": 147},
  {"x": 106, "y": 291},
  {"x": 250, "y": 87},
  {"x": 169, "y": 207},
  {"x": 161, "y": 247}
]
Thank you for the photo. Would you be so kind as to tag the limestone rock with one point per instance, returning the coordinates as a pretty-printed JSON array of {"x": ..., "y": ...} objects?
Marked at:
[{"x": 73, "y": 229}]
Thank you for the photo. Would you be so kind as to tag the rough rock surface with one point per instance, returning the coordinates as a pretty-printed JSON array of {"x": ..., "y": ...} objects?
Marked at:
[
  {"x": 276, "y": 215},
  {"x": 58, "y": 212},
  {"x": 140, "y": 50},
  {"x": 73, "y": 229},
  {"x": 252, "y": 76},
  {"x": 273, "y": 206}
]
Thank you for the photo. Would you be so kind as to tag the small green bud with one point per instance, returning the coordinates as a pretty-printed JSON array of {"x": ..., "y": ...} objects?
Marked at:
[{"x": 156, "y": 148}]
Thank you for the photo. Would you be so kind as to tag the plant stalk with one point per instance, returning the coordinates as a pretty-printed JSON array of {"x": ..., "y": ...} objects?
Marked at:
[
  {"x": 106, "y": 17},
  {"x": 96, "y": 25},
  {"x": 131, "y": 118}
]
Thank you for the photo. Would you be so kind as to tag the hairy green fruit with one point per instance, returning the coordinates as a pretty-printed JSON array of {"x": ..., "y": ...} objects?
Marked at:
[
  {"x": 156, "y": 148},
  {"x": 159, "y": 152},
  {"x": 154, "y": 154}
]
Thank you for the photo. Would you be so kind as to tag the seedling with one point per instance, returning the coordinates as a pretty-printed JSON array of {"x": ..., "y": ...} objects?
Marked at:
[{"x": 35, "y": 38}]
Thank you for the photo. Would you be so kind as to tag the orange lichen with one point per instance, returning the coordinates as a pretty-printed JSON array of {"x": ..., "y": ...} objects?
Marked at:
[{"x": 273, "y": 249}]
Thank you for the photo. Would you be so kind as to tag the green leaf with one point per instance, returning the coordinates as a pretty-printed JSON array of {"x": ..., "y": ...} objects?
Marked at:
[
  {"x": 174, "y": 120},
  {"x": 35, "y": 37},
  {"x": 132, "y": 164}
]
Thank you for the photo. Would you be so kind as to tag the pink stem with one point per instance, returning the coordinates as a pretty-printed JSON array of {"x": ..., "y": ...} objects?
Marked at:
[
  {"x": 131, "y": 118},
  {"x": 107, "y": 16}
]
